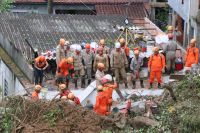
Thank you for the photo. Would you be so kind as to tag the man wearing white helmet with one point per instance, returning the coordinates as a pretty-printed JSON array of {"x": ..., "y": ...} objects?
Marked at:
[
  {"x": 79, "y": 67},
  {"x": 118, "y": 62}
]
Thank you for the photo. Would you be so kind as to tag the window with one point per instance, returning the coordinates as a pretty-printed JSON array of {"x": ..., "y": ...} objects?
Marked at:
[{"x": 5, "y": 88}]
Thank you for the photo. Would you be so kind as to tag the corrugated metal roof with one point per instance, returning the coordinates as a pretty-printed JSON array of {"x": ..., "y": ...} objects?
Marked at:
[{"x": 44, "y": 31}]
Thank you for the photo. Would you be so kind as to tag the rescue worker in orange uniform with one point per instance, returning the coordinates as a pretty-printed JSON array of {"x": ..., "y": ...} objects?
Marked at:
[
  {"x": 156, "y": 66},
  {"x": 36, "y": 92},
  {"x": 101, "y": 106},
  {"x": 65, "y": 70},
  {"x": 108, "y": 88},
  {"x": 39, "y": 66},
  {"x": 192, "y": 54},
  {"x": 73, "y": 98},
  {"x": 63, "y": 90}
]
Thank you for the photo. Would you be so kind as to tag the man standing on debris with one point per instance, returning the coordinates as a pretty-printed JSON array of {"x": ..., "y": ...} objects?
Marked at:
[
  {"x": 192, "y": 54},
  {"x": 65, "y": 70},
  {"x": 170, "y": 54},
  {"x": 88, "y": 58},
  {"x": 79, "y": 67},
  {"x": 36, "y": 92},
  {"x": 101, "y": 58},
  {"x": 39, "y": 66},
  {"x": 156, "y": 66},
  {"x": 60, "y": 51},
  {"x": 99, "y": 74},
  {"x": 118, "y": 63},
  {"x": 135, "y": 66}
]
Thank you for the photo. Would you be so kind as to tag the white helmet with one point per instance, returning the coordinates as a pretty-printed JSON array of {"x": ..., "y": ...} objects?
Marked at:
[
  {"x": 117, "y": 45},
  {"x": 108, "y": 77},
  {"x": 78, "y": 48}
]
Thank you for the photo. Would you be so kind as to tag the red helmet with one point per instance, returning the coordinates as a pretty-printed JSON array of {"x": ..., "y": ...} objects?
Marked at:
[{"x": 87, "y": 46}]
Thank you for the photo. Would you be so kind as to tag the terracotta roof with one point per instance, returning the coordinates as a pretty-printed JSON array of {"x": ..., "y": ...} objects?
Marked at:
[
  {"x": 135, "y": 10},
  {"x": 81, "y": 1}
]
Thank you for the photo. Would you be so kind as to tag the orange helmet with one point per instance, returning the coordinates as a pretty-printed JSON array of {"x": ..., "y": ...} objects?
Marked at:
[
  {"x": 70, "y": 60},
  {"x": 136, "y": 52},
  {"x": 62, "y": 86},
  {"x": 87, "y": 46},
  {"x": 70, "y": 96},
  {"x": 100, "y": 65},
  {"x": 100, "y": 49},
  {"x": 62, "y": 41},
  {"x": 170, "y": 36},
  {"x": 38, "y": 88},
  {"x": 102, "y": 42},
  {"x": 193, "y": 40},
  {"x": 169, "y": 28},
  {"x": 42, "y": 58},
  {"x": 121, "y": 40}
]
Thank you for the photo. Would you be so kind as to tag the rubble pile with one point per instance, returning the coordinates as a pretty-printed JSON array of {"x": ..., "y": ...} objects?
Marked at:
[{"x": 60, "y": 116}]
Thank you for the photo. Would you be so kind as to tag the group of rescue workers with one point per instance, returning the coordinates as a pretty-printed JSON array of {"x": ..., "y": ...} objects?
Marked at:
[{"x": 107, "y": 64}]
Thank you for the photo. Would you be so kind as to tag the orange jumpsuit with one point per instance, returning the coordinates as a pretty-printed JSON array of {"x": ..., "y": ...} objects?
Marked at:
[
  {"x": 109, "y": 90},
  {"x": 126, "y": 50},
  {"x": 192, "y": 56},
  {"x": 35, "y": 95},
  {"x": 64, "y": 67},
  {"x": 156, "y": 64},
  {"x": 102, "y": 104}
]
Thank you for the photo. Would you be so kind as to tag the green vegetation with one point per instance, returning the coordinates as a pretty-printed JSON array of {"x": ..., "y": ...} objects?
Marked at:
[{"x": 5, "y": 5}]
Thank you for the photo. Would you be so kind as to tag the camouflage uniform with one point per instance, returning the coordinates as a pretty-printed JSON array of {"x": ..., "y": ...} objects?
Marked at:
[
  {"x": 119, "y": 62},
  {"x": 60, "y": 54},
  {"x": 88, "y": 58},
  {"x": 98, "y": 76},
  {"x": 79, "y": 68},
  {"x": 101, "y": 59},
  {"x": 170, "y": 55}
]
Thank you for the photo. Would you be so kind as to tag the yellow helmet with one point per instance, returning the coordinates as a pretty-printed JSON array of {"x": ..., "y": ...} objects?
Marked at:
[
  {"x": 70, "y": 60},
  {"x": 170, "y": 27},
  {"x": 38, "y": 88}
]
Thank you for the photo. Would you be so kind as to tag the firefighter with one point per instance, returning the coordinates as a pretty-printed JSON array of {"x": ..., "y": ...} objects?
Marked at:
[
  {"x": 79, "y": 67},
  {"x": 88, "y": 58},
  {"x": 65, "y": 71},
  {"x": 135, "y": 66},
  {"x": 101, "y": 58},
  {"x": 156, "y": 66},
  {"x": 170, "y": 54},
  {"x": 101, "y": 106},
  {"x": 36, "y": 92},
  {"x": 63, "y": 90},
  {"x": 99, "y": 74},
  {"x": 192, "y": 54},
  {"x": 108, "y": 87},
  {"x": 60, "y": 51},
  {"x": 39, "y": 66}
]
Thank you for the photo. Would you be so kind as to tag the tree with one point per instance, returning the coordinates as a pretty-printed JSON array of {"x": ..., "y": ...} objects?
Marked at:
[{"x": 5, "y": 5}]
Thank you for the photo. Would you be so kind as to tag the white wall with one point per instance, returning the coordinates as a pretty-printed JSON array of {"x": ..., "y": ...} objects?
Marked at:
[{"x": 7, "y": 78}]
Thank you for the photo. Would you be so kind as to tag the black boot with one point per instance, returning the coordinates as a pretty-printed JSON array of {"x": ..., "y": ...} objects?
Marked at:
[
  {"x": 141, "y": 84},
  {"x": 133, "y": 84},
  {"x": 89, "y": 81},
  {"x": 151, "y": 86},
  {"x": 82, "y": 83},
  {"x": 76, "y": 84},
  {"x": 159, "y": 85},
  {"x": 126, "y": 86}
]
